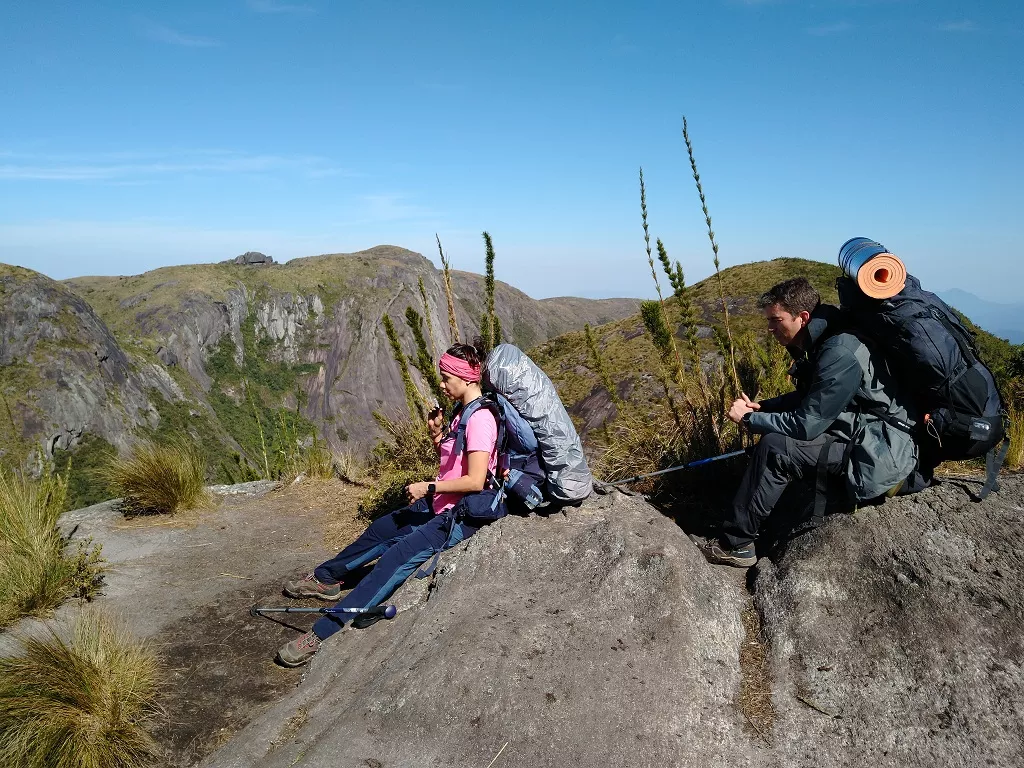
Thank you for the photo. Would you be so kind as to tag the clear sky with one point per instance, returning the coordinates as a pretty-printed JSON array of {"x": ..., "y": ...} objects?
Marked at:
[{"x": 136, "y": 135}]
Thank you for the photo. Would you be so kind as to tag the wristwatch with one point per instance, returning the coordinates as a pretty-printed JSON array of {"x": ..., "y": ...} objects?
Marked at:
[{"x": 431, "y": 489}]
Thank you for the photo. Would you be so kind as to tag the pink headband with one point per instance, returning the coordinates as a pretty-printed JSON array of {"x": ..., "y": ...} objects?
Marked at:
[{"x": 456, "y": 366}]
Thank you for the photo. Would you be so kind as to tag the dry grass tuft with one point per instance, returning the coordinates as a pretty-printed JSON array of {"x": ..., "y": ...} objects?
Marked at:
[
  {"x": 405, "y": 455},
  {"x": 755, "y": 695},
  {"x": 316, "y": 462},
  {"x": 159, "y": 479},
  {"x": 78, "y": 703},
  {"x": 1015, "y": 456},
  {"x": 36, "y": 571}
]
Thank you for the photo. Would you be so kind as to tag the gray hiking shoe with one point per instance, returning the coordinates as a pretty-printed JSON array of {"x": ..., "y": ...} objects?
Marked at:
[
  {"x": 311, "y": 587},
  {"x": 740, "y": 557},
  {"x": 299, "y": 651}
]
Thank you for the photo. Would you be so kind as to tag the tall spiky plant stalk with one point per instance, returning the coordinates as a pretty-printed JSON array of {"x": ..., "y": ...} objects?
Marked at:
[
  {"x": 714, "y": 248},
  {"x": 654, "y": 322},
  {"x": 599, "y": 366},
  {"x": 426, "y": 316},
  {"x": 675, "y": 276},
  {"x": 413, "y": 398},
  {"x": 490, "y": 326},
  {"x": 259, "y": 425},
  {"x": 423, "y": 361},
  {"x": 453, "y": 325},
  {"x": 657, "y": 285}
]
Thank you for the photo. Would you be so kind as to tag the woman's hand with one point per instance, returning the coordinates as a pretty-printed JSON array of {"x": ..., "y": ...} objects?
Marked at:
[
  {"x": 416, "y": 491},
  {"x": 435, "y": 423}
]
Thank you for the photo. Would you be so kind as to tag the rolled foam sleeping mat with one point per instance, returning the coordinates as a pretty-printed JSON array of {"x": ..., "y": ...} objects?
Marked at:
[
  {"x": 878, "y": 273},
  {"x": 510, "y": 372}
]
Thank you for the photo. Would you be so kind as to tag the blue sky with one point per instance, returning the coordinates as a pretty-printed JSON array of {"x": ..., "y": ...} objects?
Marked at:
[{"x": 135, "y": 135}]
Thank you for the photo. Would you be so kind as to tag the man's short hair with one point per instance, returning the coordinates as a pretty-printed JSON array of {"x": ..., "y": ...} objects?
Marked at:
[{"x": 795, "y": 295}]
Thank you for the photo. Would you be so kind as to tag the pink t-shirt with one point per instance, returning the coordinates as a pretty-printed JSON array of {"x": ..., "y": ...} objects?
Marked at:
[{"x": 481, "y": 435}]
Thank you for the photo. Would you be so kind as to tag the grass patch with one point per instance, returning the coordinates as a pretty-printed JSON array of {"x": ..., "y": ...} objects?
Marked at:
[
  {"x": 159, "y": 479},
  {"x": 81, "y": 702},
  {"x": 37, "y": 570},
  {"x": 1015, "y": 455},
  {"x": 754, "y": 697},
  {"x": 404, "y": 455}
]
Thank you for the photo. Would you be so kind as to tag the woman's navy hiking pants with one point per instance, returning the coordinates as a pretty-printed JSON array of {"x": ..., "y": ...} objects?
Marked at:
[{"x": 403, "y": 540}]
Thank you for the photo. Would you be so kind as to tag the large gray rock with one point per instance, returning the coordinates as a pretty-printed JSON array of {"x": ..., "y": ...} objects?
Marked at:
[
  {"x": 597, "y": 638},
  {"x": 603, "y": 638},
  {"x": 904, "y": 623}
]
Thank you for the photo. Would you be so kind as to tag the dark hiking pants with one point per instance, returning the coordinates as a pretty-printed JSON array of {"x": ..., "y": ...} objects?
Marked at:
[
  {"x": 777, "y": 461},
  {"x": 403, "y": 540}
]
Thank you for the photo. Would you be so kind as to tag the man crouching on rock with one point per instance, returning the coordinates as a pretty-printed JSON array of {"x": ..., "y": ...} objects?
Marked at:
[
  {"x": 407, "y": 537},
  {"x": 840, "y": 427}
]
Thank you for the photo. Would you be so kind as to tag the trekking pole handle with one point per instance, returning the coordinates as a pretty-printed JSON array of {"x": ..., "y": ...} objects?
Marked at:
[
  {"x": 387, "y": 611},
  {"x": 690, "y": 465}
]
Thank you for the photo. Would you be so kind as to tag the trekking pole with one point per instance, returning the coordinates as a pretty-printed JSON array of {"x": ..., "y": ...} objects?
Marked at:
[
  {"x": 691, "y": 465},
  {"x": 380, "y": 611}
]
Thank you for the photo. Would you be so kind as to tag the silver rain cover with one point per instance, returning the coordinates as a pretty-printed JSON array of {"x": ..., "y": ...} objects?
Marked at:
[{"x": 511, "y": 373}]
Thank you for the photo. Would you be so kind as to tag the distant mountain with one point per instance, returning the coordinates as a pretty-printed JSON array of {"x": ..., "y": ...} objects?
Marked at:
[
  {"x": 243, "y": 356},
  {"x": 1003, "y": 320}
]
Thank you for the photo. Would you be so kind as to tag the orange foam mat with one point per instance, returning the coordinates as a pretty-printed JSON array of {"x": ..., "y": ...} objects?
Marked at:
[{"x": 882, "y": 276}]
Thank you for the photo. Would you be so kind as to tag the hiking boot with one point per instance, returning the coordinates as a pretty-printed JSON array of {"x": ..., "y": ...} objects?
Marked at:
[
  {"x": 310, "y": 586},
  {"x": 299, "y": 651},
  {"x": 741, "y": 557}
]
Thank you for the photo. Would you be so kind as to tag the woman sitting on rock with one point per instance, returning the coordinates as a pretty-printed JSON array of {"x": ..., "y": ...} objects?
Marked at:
[{"x": 406, "y": 538}]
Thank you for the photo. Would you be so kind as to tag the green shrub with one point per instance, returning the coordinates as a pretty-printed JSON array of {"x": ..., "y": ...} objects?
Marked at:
[
  {"x": 316, "y": 461},
  {"x": 159, "y": 479},
  {"x": 37, "y": 573},
  {"x": 78, "y": 703},
  {"x": 405, "y": 455},
  {"x": 82, "y": 465}
]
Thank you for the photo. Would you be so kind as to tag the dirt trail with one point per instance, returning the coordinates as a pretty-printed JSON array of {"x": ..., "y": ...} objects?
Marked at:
[{"x": 187, "y": 585}]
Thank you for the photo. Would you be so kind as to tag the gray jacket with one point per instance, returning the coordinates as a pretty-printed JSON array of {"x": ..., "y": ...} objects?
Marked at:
[{"x": 844, "y": 391}]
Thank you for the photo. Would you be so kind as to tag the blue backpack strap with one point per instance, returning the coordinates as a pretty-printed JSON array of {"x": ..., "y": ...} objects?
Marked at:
[{"x": 467, "y": 413}]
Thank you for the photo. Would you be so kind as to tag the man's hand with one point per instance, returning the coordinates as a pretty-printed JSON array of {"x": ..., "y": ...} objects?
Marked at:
[
  {"x": 741, "y": 408},
  {"x": 416, "y": 491}
]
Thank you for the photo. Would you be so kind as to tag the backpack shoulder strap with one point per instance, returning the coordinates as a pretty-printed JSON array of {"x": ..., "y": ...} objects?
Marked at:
[{"x": 467, "y": 413}]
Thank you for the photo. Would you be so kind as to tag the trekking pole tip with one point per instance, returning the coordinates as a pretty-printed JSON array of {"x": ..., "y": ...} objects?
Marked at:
[{"x": 254, "y": 611}]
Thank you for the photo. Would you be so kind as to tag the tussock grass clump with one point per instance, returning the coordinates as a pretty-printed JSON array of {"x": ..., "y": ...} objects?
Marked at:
[
  {"x": 37, "y": 573},
  {"x": 159, "y": 479},
  {"x": 405, "y": 455},
  {"x": 317, "y": 462},
  {"x": 1015, "y": 456},
  {"x": 81, "y": 702},
  {"x": 637, "y": 445}
]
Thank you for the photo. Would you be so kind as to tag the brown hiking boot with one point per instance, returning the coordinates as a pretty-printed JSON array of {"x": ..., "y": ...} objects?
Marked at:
[
  {"x": 300, "y": 650},
  {"x": 740, "y": 557},
  {"x": 311, "y": 587}
]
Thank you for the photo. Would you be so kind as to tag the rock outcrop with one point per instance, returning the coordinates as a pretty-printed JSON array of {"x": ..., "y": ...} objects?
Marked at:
[
  {"x": 253, "y": 258},
  {"x": 62, "y": 371},
  {"x": 602, "y": 637}
]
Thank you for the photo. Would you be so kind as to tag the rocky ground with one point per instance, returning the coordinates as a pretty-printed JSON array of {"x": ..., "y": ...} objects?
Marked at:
[{"x": 595, "y": 637}]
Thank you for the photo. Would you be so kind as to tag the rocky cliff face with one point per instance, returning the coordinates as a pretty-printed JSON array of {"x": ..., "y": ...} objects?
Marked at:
[{"x": 64, "y": 374}]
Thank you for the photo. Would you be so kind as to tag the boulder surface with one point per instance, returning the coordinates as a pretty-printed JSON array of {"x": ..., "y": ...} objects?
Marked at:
[{"x": 602, "y": 637}]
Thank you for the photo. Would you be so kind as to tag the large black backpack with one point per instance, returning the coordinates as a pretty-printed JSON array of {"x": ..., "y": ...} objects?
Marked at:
[{"x": 935, "y": 361}]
